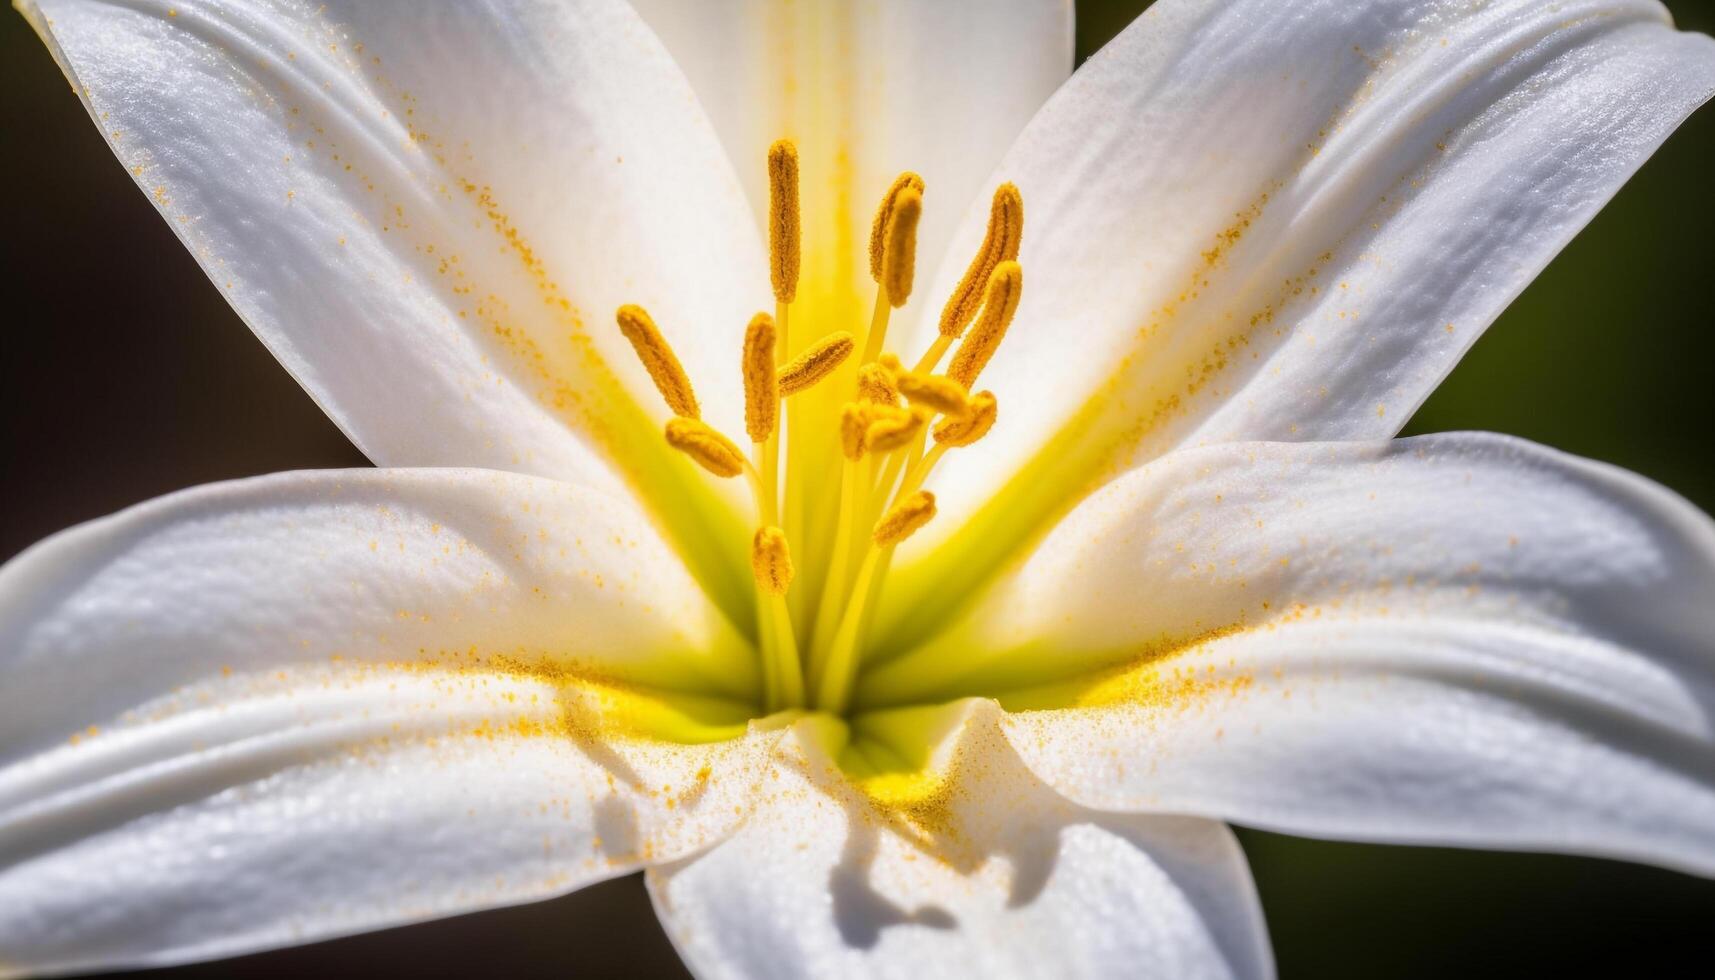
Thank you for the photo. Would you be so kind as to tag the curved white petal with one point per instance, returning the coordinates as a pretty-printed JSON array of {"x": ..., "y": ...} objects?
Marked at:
[
  {"x": 1457, "y": 639},
  {"x": 995, "y": 876},
  {"x": 273, "y": 711},
  {"x": 870, "y": 89},
  {"x": 1256, "y": 220},
  {"x": 430, "y": 215}
]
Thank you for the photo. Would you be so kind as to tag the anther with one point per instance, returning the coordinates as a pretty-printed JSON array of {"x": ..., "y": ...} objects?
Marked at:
[
  {"x": 875, "y": 384},
  {"x": 1000, "y": 244},
  {"x": 893, "y": 429},
  {"x": 975, "y": 425},
  {"x": 658, "y": 359},
  {"x": 761, "y": 393},
  {"x": 816, "y": 363},
  {"x": 935, "y": 391},
  {"x": 784, "y": 234},
  {"x": 899, "y": 258},
  {"x": 905, "y": 518},
  {"x": 1000, "y": 302},
  {"x": 883, "y": 214},
  {"x": 715, "y": 452},
  {"x": 771, "y": 560},
  {"x": 854, "y": 422}
]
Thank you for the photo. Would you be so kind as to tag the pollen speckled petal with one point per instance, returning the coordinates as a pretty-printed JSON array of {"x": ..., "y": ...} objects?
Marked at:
[
  {"x": 1259, "y": 220},
  {"x": 1458, "y": 639},
  {"x": 985, "y": 873},
  {"x": 430, "y": 215},
  {"x": 925, "y": 688},
  {"x": 266, "y": 712}
]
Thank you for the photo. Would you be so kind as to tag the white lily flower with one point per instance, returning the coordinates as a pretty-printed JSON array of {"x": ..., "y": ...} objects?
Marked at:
[{"x": 850, "y": 727}]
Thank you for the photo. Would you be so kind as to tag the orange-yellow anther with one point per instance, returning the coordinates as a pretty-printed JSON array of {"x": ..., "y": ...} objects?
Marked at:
[
  {"x": 905, "y": 518},
  {"x": 771, "y": 560},
  {"x": 761, "y": 393},
  {"x": 715, "y": 452},
  {"x": 784, "y": 232},
  {"x": 816, "y": 363},
  {"x": 875, "y": 384},
  {"x": 854, "y": 422},
  {"x": 893, "y": 429},
  {"x": 884, "y": 214},
  {"x": 1000, "y": 244},
  {"x": 899, "y": 256},
  {"x": 935, "y": 391},
  {"x": 1006, "y": 286},
  {"x": 976, "y": 423},
  {"x": 658, "y": 359}
]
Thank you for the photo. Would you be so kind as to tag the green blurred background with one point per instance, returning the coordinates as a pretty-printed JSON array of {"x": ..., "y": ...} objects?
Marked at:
[{"x": 124, "y": 375}]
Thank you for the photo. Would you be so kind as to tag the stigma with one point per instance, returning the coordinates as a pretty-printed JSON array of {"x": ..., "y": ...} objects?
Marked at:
[{"x": 887, "y": 425}]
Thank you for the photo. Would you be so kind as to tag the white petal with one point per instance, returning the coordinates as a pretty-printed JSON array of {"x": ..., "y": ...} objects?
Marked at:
[
  {"x": 284, "y": 709},
  {"x": 1000, "y": 878},
  {"x": 870, "y": 89},
  {"x": 1456, "y": 639},
  {"x": 1256, "y": 220},
  {"x": 431, "y": 215}
]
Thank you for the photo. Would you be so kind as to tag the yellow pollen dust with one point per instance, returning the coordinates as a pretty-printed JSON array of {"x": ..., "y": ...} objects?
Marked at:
[
  {"x": 696, "y": 439},
  {"x": 905, "y": 518},
  {"x": 816, "y": 363},
  {"x": 784, "y": 232},
  {"x": 659, "y": 360},
  {"x": 1000, "y": 244},
  {"x": 771, "y": 560},
  {"x": 761, "y": 391},
  {"x": 1000, "y": 302},
  {"x": 976, "y": 423},
  {"x": 934, "y": 391},
  {"x": 899, "y": 258}
]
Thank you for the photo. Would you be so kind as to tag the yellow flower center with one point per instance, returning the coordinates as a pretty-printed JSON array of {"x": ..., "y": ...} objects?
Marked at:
[{"x": 811, "y": 627}]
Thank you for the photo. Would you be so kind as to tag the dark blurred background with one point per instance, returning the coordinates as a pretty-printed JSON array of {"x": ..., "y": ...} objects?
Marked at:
[{"x": 124, "y": 375}]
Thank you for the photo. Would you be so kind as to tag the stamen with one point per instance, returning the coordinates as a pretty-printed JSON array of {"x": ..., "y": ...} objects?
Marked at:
[
  {"x": 816, "y": 363},
  {"x": 889, "y": 419},
  {"x": 771, "y": 560},
  {"x": 784, "y": 254},
  {"x": 935, "y": 391},
  {"x": 1000, "y": 302},
  {"x": 715, "y": 452},
  {"x": 905, "y": 518},
  {"x": 1000, "y": 244},
  {"x": 875, "y": 385},
  {"x": 761, "y": 393},
  {"x": 658, "y": 359},
  {"x": 975, "y": 425},
  {"x": 893, "y": 429},
  {"x": 884, "y": 214},
  {"x": 899, "y": 260}
]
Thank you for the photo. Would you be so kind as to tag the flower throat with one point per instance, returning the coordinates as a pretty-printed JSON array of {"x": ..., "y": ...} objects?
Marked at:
[{"x": 883, "y": 429}]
